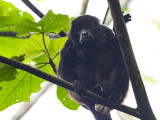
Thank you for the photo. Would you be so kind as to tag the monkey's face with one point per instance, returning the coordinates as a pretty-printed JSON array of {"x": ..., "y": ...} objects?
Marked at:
[
  {"x": 85, "y": 31},
  {"x": 85, "y": 34}
]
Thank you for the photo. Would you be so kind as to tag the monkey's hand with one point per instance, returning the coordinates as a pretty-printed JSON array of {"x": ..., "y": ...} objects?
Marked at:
[
  {"x": 115, "y": 96},
  {"x": 102, "y": 89},
  {"x": 127, "y": 18},
  {"x": 79, "y": 87}
]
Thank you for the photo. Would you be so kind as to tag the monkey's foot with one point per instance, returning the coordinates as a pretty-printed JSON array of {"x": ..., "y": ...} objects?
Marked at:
[{"x": 102, "y": 109}]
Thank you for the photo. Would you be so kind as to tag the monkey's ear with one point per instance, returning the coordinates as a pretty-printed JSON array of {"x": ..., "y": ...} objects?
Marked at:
[{"x": 103, "y": 37}]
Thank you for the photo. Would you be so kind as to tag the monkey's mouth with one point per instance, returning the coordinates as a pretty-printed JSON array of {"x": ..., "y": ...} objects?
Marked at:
[{"x": 86, "y": 40}]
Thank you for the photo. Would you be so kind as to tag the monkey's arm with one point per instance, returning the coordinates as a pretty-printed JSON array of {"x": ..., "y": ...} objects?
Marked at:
[{"x": 67, "y": 63}]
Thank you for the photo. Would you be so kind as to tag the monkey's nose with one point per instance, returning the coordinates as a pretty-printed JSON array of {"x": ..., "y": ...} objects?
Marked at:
[{"x": 84, "y": 33}]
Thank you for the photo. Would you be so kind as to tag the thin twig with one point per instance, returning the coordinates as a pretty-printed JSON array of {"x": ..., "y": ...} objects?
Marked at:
[
  {"x": 33, "y": 8},
  {"x": 105, "y": 17},
  {"x": 55, "y": 56},
  {"x": 40, "y": 63},
  {"x": 48, "y": 55}
]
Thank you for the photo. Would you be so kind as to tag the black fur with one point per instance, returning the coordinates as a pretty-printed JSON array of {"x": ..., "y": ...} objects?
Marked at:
[{"x": 98, "y": 67}]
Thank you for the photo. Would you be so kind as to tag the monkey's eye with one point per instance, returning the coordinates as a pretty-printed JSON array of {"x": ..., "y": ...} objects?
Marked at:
[
  {"x": 77, "y": 28},
  {"x": 90, "y": 26}
]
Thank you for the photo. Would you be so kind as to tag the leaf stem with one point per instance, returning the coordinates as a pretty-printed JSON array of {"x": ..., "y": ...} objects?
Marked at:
[{"x": 48, "y": 55}]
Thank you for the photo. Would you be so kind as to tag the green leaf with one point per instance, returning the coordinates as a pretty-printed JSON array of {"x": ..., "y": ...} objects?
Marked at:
[
  {"x": 54, "y": 22},
  {"x": 26, "y": 26},
  {"x": 10, "y": 16},
  {"x": 67, "y": 28},
  {"x": 62, "y": 95},
  {"x": 7, "y": 72},
  {"x": 18, "y": 58},
  {"x": 43, "y": 60},
  {"x": 50, "y": 23},
  {"x": 8, "y": 9},
  {"x": 10, "y": 46},
  {"x": 19, "y": 90},
  {"x": 58, "y": 45},
  {"x": 34, "y": 46},
  {"x": 25, "y": 15},
  {"x": 149, "y": 79},
  {"x": 7, "y": 21}
]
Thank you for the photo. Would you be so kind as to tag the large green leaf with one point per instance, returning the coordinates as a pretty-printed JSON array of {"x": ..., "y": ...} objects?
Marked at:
[
  {"x": 43, "y": 60},
  {"x": 10, "y": 46},
  {"x": 7, "y": 72},
  {"x": 9, "y": 21},
  {"x": 50, "y": 23},
  {"x": 8, "y": 9},
  {"x": 6, "y": 21},
  {"x": 25, "y": 15},
  {"x": 18, "y": 90},
  {"x": 54, "y": 22},
  {"x": 62, "y": 95},
  {"x": 10, "y": 16},
  {"x": 26, "y": 26},
  {"x": 58, "y": 45},
  {"x": 34, "y": 46}
]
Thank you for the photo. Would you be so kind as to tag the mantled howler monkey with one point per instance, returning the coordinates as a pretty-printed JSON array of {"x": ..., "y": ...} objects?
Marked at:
[{"x": 91, "y": 59}]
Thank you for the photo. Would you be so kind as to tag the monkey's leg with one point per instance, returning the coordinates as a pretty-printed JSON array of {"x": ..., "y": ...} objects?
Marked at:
[{"x": 79, "y": 89}]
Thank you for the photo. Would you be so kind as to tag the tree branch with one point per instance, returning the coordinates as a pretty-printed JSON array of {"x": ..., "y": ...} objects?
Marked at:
[
  {"x": 67, "y": 85},
  {"x": 130, "y": 62},
  {"x": 84, "y": 7},
  {"x": 14, "y": 34},
  {"x": 11, "y": 34},
  {"x": 33, "y": 8}
]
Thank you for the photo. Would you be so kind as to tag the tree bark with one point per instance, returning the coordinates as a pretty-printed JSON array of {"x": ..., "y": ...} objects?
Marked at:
[
  {"x": 138, "y": 87},
  {"x": 84, "y": 7}
]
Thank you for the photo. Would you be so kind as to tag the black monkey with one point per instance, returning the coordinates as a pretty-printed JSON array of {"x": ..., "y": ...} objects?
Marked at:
[{"x": 91, "y": 59}]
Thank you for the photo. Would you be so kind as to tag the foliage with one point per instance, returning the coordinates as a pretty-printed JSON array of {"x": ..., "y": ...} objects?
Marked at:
[
  {"x": 10, "y": 16},
  {"x": 149, "y": 79},
  {"x": 17, "y": 85},
  {"x": 65, "y": 100}
]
